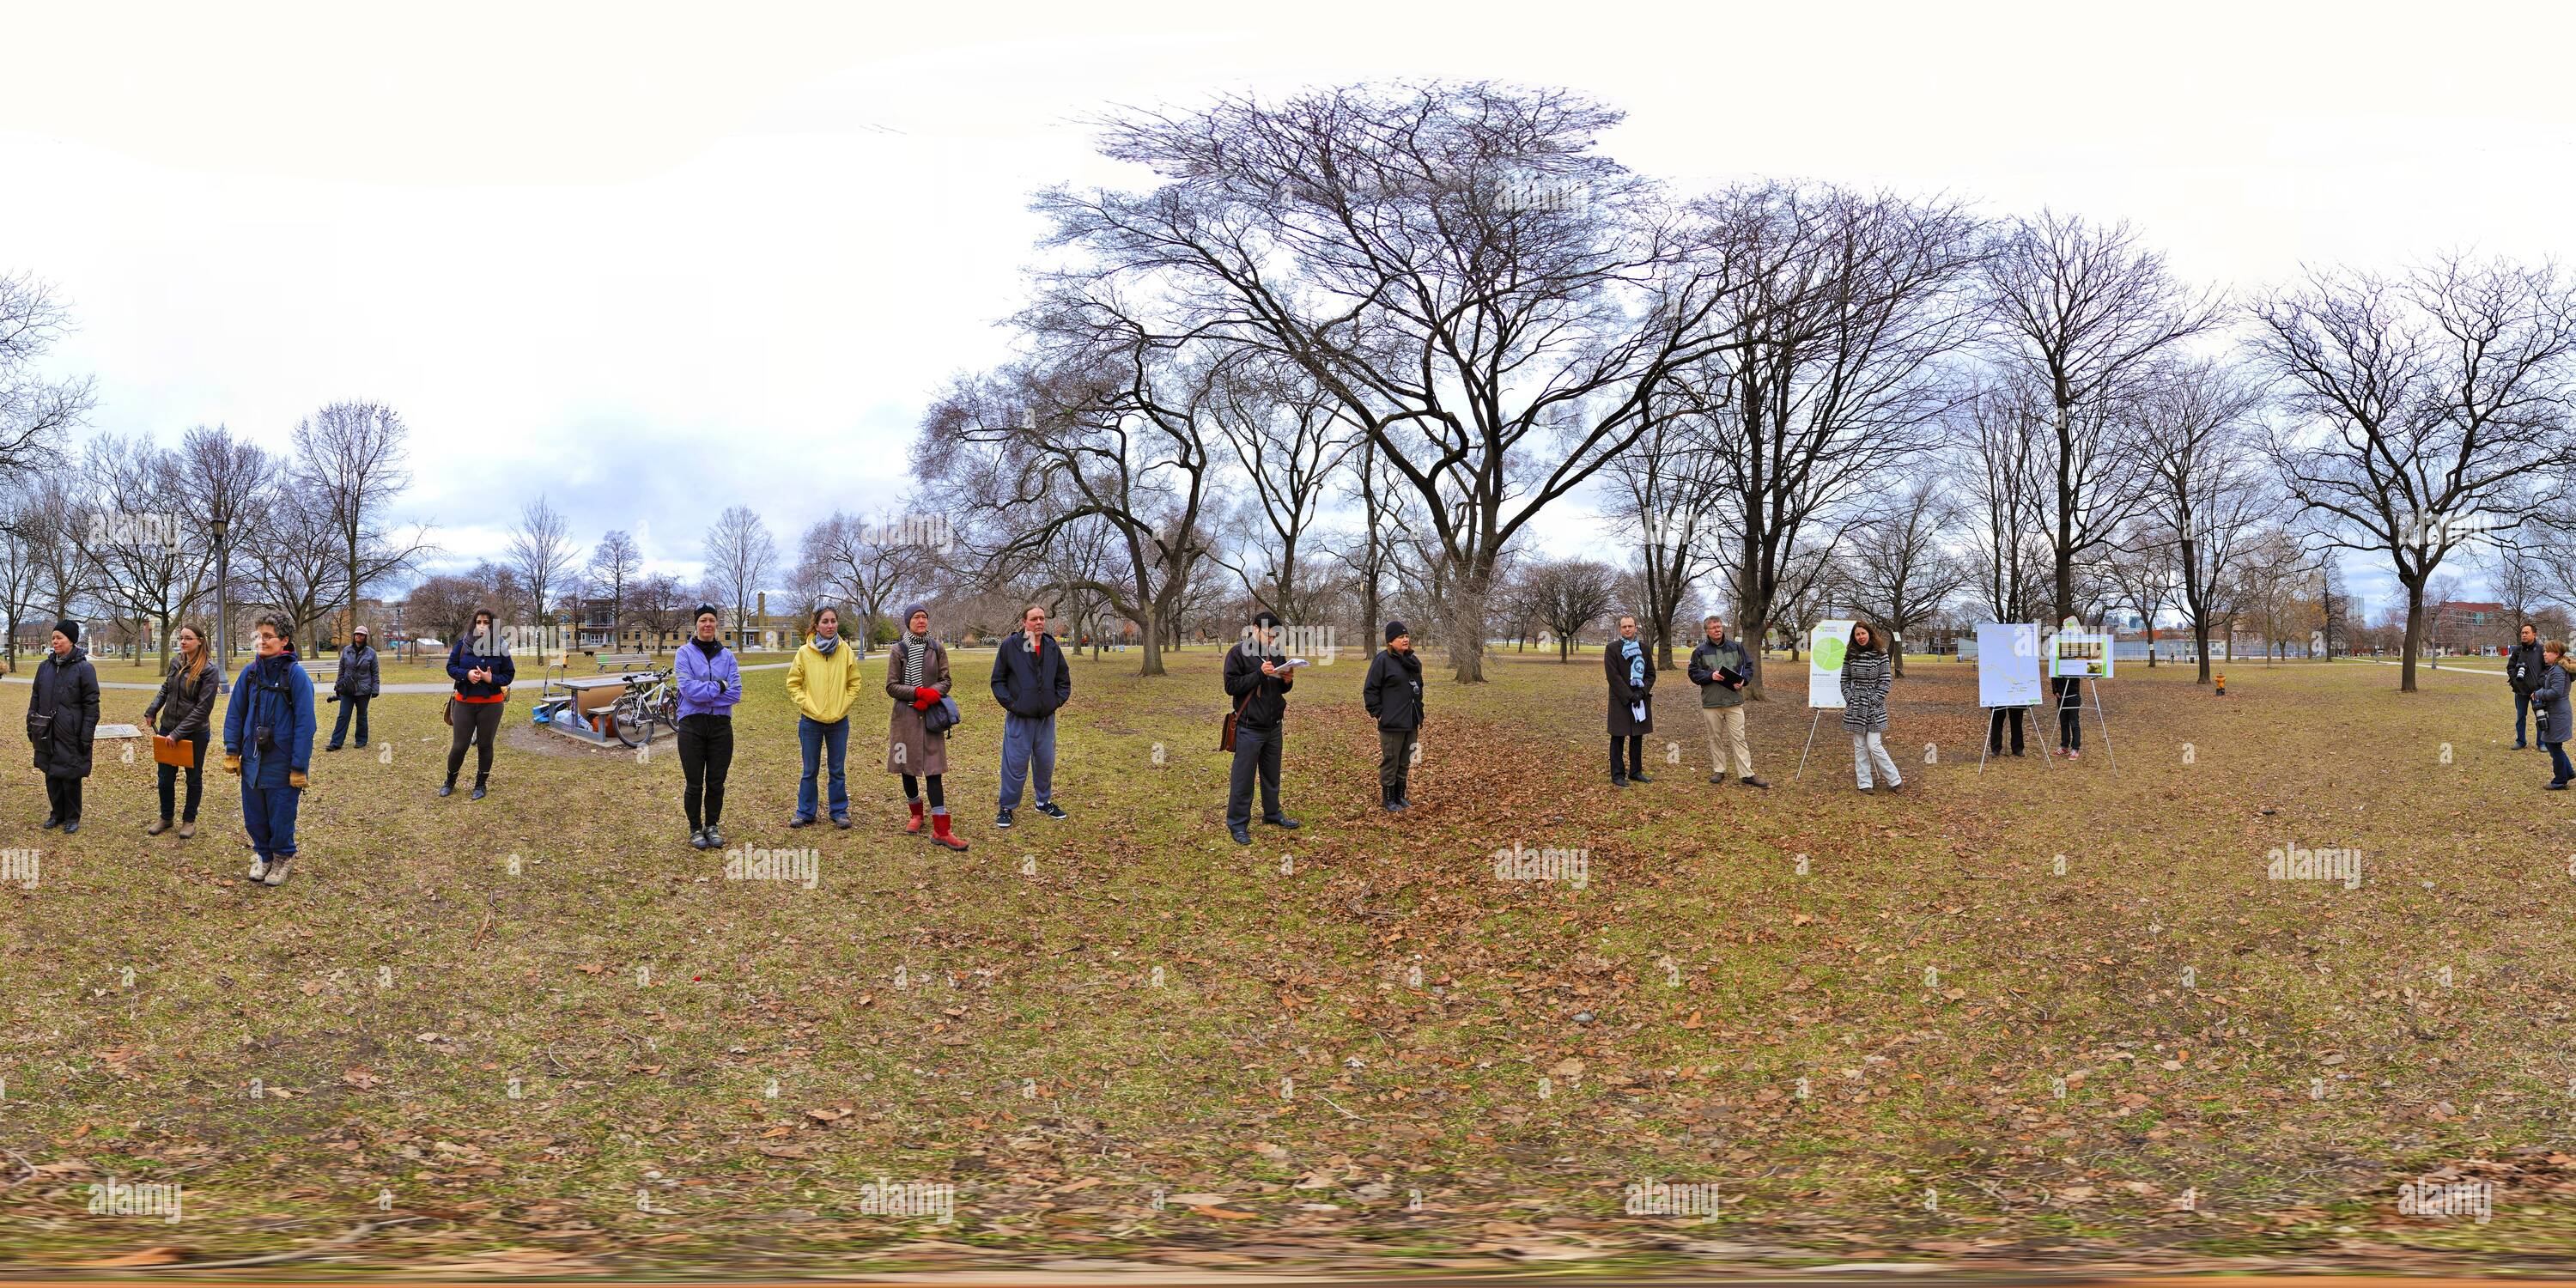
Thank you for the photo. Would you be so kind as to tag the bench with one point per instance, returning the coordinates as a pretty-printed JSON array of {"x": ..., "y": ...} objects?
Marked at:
[{"x": 622, "y": 661}]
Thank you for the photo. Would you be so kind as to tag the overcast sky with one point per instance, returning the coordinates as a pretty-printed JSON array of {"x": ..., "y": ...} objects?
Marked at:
[{"x": 657, "y": 259}]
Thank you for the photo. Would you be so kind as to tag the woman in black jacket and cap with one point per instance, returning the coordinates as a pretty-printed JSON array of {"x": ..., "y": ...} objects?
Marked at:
[
  {"x": 62, "y": 717},
  {"x": 184, "y": 710}
]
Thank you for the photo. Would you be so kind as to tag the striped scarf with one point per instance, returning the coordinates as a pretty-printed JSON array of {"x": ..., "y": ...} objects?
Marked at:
[{"x": 915, "y": 649}]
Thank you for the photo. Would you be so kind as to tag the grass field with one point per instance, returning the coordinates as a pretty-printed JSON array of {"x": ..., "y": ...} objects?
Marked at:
[{"x": 536, "y": 1034}]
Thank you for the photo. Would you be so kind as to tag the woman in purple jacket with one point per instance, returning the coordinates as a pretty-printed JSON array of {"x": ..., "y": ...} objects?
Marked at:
[{"x": 710, "y": 685}]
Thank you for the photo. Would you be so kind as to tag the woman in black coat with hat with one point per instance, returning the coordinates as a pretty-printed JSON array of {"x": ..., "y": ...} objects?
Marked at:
[{"x": 62, "y": 718}]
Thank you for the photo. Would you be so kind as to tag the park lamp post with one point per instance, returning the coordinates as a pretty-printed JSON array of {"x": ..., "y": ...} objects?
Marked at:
[{"x": 223, "y": 579}]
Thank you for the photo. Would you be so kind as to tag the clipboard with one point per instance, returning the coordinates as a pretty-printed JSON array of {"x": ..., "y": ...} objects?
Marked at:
[{"x": 171, "y": 751}]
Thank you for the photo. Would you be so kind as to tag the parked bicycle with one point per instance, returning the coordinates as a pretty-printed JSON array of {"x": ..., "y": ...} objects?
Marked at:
[{"x": 651, "y": 703}]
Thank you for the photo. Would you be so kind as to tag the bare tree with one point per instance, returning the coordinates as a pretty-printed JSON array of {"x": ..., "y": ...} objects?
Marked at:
[
  {"x": 2003, "y": 447},
  {"x": 152, "y": 564},
  {"x": 1570, "y": 595},
  {"x": 350, "y": 455},
  {"x": 863, "y": 563},
  {"x": 1670, "y": 489},
  {"x": 2139, "y": 567},
  {"x": 1897, "y": 561},
  {"x": 2425, "y": 408},
  {"x": 1107, "y": 427},
  {"x": 1480, "y": 292},
  {"x": 658, "y": 609},
  {"x": 294, "y": 550},
  {"x": 1836, "y": 372},
  {"x": 1289, "y": 439},
  {"x": 223, "y": 478},
  {"x": 2083, "y": 310},
  {"x": 2207, "y": 495},
  {"x": 541, "y": 553},
  {"x": 740, "y": 556},
  {"x": 614, "y": 565},
  {"x": 35, "y": 411}
]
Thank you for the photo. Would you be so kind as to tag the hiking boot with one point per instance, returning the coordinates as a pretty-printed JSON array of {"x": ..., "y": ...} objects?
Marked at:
[
  {"x": 841, "y": 821},
  {"x": 277, "y": 871},
  {"x": 715, "y": 839},
  {"x": 187, "y": 828},
  {"x": 800, "y": 821},
  {"x": 156, "y": 829},
  {"x": 698, "y": 838},
  {"x": 258, "y": 868}
]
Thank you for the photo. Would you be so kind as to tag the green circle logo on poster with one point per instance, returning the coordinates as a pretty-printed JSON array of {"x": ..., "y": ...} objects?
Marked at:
[{"x": 1829, "y": 653}]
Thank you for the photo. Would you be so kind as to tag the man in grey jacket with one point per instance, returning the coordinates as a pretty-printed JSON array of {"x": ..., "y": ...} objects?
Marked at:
[
  {"x": 354, "y": 687},
  {"x": 1720, "y": 667}
]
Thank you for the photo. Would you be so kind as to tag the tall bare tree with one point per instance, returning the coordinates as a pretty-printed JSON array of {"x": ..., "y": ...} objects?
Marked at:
[
  {"x": 1837, "y": 372},
  {"x": 2084, "y": 310},
  {"x": 741, "y": 555},
  {"x": 1670, "y": 490},
  {"x": 1482, "y": 293},
  {"x": 2426, "y": 409},
  {"x": 615, "y": 563},
  {"x": 2000, "y": 462},
  {"x": 1898, "y": 562},
  {"x": 153, "y": 565},
  {"x": 1290, "y": 441},
  {"x": 351, "y": 458},
  {"x": 223, "y": 479},
  {"x": 294, "y": 552},
  {"x": 1570, "y": 596},
  {"x": 862, "y": 563},
  {"x": 541, "y": 553},
  {"x": 2207, "y": 491}
]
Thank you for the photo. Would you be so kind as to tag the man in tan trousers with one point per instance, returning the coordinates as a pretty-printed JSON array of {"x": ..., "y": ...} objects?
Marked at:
[{"x": 1720, "y": 667}]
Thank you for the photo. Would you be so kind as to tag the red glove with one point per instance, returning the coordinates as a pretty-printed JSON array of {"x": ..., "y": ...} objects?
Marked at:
[{"x": 924, "y": 699}]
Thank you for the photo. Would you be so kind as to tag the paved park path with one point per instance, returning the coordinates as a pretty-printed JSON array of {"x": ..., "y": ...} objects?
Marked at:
[{"x": 390, "y": 688}]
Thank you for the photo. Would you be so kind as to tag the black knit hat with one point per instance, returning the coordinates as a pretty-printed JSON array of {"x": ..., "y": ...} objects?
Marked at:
[
  {"x": 70, "y": 629},
  {"x": 1265, "y": 619},
  {"x": 707, "y": 610},
  {"x": 1395, "y": 628}
]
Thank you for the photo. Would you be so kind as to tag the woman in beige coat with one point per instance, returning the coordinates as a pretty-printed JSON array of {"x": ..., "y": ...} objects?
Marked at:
[{"x": 917, "y": 680}]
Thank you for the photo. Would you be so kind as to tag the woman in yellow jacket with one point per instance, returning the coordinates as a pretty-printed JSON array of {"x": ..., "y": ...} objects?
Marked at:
[{"x": 823, "y": 681}]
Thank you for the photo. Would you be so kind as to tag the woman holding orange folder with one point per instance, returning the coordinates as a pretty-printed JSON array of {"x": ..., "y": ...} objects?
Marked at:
[{"x": 183, "y": 713}]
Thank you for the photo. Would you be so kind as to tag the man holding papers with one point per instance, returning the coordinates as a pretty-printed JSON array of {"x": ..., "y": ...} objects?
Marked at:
[{"x": 1720, "y": 666}]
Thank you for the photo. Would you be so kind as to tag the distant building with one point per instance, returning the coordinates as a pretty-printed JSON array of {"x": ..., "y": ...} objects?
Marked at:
[{"x": 2462, "y": 626}]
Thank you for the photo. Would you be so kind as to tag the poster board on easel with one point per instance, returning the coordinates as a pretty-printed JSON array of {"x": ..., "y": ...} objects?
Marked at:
[
  {"x": 1826, "y": 642},
  {"x": 2010, "y": 660}
]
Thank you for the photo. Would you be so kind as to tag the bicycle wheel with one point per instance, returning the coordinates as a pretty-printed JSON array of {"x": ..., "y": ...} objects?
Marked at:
[{"x": 633, "y": 723}]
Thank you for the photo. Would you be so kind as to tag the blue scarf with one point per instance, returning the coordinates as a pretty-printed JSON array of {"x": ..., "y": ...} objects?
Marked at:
[
  {"x": 825, "y": 646},
  {"x": 1636, "y": 654}
]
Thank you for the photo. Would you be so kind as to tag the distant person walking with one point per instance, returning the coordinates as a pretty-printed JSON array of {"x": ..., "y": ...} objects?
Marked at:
[
  {"x": 354, "y": 687},
  {"x": 62, "y": 719},
  {"x": 480, "y": 665},
  {"x": 710, "y": 686},
  {"x": 2550, "y": 703},
  {"x": 1867, "y": 676},
  {"x": 1030, "y": 681},
  {"x": 183, "y": 711},
  {"x": 1631, "y": 675},
  {"x": 917, "y": 680},
  {"x": 268, "y": 741},
  {"x": 2522, "y": 665},
  {"x": 1721, "y": 668},
  {"x": 1258, "y": 678},
  {"x": 1392, "y": 693},
  {"x": 824, "y": 683}
]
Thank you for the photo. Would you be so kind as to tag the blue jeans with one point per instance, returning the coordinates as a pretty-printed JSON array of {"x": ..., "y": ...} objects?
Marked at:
[
  {"x": 813, "y": 736},
  {"x": 340, "y": 727},
  {"x": 1027, "y": 739},
  {"x": 2521, "y": 709},
  {"x": 268, "y": 813}
]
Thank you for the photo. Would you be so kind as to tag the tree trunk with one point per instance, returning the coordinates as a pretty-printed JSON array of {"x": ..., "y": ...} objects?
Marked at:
[
  {"x": 1464, "y": 622},
  {"x": 2414, "y": 636},
  {"x": 1153, "y": 640}
]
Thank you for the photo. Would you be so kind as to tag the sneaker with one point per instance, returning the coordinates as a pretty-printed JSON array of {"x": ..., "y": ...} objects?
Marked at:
[
  {"x": 1895, "y": 786},
  {"x": 1717, "y": 780},
  {"x": 277, "y": 871},
  {"x": 1002, "y": 818},
  {"x": 1864, "y": 787},
  {"x": 1751, "y": 780},
  {"x": 156, "y": 829},
  {"x": 715, "y": 839},
  {"x": 800, "y": 821},
  {"x": 1242, "y": 835},
  {"x": 258, "y": 868},
  {"x": 187, "y": 828},
  {"x": 841, "y": 821},
  {"x": 1050, "y": 809},
  {"x": 2075, "y": 755},
  {"x": 698, "y": 839}
]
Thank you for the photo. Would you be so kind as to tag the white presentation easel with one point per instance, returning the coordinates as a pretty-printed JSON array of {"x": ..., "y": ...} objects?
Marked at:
[
  {"x": 1812, "y": 722},
  {"x": 1986, "y": 743}
]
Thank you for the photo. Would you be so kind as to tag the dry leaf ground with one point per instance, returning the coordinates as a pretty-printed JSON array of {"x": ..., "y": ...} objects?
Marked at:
[{"x": 539, "y": 1035}]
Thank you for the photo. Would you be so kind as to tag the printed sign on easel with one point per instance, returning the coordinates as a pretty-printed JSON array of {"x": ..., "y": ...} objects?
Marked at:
[
  {"x": 2008, "y": 664},
  {"x": 1825, "y": 645},
  {"x": 2079, "y": 655}
]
